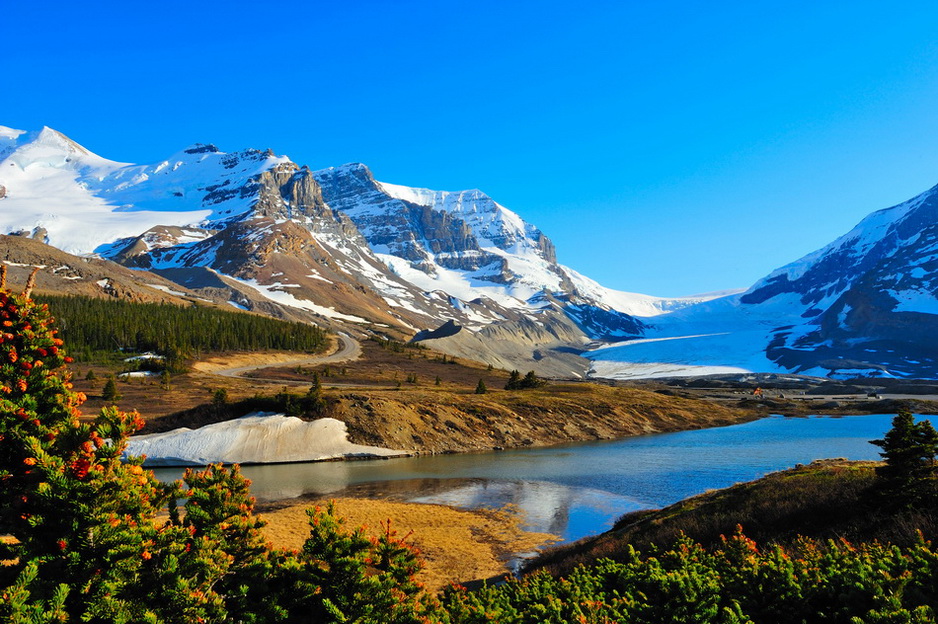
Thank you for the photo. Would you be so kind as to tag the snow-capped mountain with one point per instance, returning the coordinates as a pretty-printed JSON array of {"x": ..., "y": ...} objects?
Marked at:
[
  {"x": 335, "y": 244},
  {"x": 869, "y": 300},
  {"x": 81, "y": 201},
  {"x": 460, "y": 270},
  {"x": 866, "y": 304}
]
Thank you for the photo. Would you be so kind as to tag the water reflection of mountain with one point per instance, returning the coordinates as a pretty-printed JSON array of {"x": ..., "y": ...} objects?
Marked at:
[{"x": 570, "y": 512}]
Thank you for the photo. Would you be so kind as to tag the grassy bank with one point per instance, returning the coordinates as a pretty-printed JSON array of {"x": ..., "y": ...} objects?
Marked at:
[{"x": 827, "y": 499}]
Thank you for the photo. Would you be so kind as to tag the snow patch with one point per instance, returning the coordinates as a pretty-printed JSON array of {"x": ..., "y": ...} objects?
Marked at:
[
  {"x": 258, "y": 438},
  {"x": 915, "y": 301},
  {"x": 269, "y": 291}
]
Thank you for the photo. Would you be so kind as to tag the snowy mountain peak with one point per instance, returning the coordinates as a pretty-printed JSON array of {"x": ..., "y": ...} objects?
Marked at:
[
  {"x": 54, "y": 138},
  {"x": 335, "y": 243},
  {"x": 80, "y": 201},
  {"x": 827, "y": 273},
  {"x": 10, "y": 134},
  {"x": 51, "y": 148}
]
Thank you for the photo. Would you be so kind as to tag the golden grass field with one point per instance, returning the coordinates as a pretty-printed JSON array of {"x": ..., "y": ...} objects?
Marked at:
[{"x": 456, "y": 545}]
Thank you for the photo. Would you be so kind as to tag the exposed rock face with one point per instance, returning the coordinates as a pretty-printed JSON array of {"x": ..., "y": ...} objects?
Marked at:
[
  {"x": 3, "y": 191},
  {"x": 404, "y": 229},
  {"x": 545, "y": 345}
]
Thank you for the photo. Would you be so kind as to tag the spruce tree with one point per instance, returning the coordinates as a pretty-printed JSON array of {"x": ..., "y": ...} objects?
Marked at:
[
  {"x": 109, "y": 392},
  {"x": 220, "y": 397},
  {"x": 315, "y": 402},
  {"x": 908, "y": 477},
  {"x": 481, "y": 388},
  {"x": 531, "y": 381},
  {"x": 514, "y": 380}
]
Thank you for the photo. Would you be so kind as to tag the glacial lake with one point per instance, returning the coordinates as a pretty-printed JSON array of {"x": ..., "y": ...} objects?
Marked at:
[{"x": 581, "y": 489}]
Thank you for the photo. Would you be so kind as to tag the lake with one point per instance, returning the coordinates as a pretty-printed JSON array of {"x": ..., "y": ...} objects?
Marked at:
[{"x": 581, "y": 489}]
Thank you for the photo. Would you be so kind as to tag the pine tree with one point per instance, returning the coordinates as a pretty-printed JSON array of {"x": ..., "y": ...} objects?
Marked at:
[
  {"x": 481, "y": 388},
  {"x": 109, "y": 392},
  {"x": 315, "y": 402},
  {"x": 531, "y": 381},
  {"x": 910, "y": 472},
  {"x": 514, "y": 381}
]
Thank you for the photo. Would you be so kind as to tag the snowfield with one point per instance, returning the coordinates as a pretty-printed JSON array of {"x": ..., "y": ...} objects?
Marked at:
[{"x": 259, "y": 438}]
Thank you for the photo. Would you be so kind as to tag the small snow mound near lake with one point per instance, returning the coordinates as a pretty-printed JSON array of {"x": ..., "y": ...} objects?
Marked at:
[
  {"x": 259, "y": 438},
  {"x": 138, "y": 375}
]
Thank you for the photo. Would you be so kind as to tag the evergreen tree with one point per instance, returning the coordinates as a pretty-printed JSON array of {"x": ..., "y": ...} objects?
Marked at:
[
  {"x": 909, "y": 474},
  {"x": 481, "y": 388},
  {"x": 531, "y": 381},
  {"x": 109, "y": 392},
  {"x": 315, "y": 402},
  {"x": 219, "y": 397},
  {"x": 514, "y": 381}
]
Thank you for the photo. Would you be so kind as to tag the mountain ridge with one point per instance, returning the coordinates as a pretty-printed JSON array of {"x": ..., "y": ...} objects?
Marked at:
[
  {"x": 335, "y": 243},
  {"x": 337, "y": 247}
]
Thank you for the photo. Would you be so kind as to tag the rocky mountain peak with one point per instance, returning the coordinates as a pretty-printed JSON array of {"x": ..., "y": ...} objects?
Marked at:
[{"x": 201, "y": 148}]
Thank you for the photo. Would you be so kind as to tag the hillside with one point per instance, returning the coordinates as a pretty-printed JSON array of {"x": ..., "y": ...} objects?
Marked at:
[{"x": 827, "y": 499}]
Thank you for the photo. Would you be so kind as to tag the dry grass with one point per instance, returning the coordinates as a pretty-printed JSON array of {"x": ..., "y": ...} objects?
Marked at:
[{"x": 456, "y": 545}]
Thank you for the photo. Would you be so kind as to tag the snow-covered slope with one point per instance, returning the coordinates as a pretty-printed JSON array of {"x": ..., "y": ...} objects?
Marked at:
[
  {"x": 866, "y": 304},
  {"x": 78, "y": 201}
]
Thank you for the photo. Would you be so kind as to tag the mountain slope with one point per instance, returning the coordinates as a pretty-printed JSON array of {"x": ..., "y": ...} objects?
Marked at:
[
  {"x": 866, "y": 304},
  {"x": 869, "y": 297},
  {"x": 342, "y": 249},
  {"x": 333, "y": 245}
]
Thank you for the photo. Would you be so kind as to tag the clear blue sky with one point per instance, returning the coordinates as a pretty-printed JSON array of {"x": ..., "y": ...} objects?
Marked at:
[{"x": 666, "y": 147}]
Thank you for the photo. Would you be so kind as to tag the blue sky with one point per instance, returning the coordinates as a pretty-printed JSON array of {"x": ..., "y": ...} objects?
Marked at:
[{"x": 666, "y": 147}]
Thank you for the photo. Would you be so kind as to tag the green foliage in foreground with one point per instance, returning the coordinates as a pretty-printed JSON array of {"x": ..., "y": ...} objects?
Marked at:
[
  {"x": 90, "y": 326},
  {"x": 734, "y": 583},
  {"x": 90, "y": 544}
]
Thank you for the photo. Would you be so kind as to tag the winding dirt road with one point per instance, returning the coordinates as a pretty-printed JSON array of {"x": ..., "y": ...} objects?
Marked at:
[{"x": 349, "y": 349}]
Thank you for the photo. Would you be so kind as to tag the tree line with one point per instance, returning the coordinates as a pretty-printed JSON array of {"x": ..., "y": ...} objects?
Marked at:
[{"x": 90, "y": 326}]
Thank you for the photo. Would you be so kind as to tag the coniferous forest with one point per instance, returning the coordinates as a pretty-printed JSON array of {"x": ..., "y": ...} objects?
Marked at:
[{"x": 90, "y": 326}]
